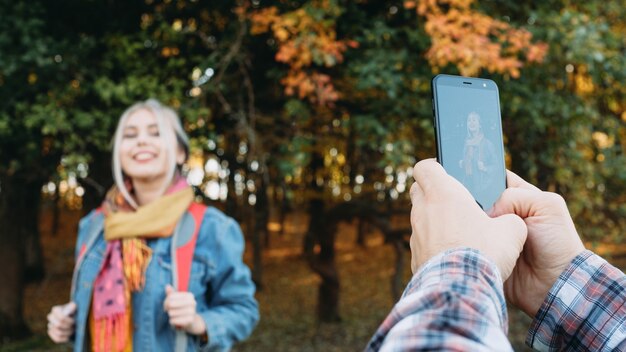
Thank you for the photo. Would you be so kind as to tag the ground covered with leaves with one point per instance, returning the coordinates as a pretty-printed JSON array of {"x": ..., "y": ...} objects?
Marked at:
[{"x": 287, "y": 299}]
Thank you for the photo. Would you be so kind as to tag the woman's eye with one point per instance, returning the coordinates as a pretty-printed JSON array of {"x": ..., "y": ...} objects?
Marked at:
[
  {"x": 129, "y": 135},
  {"x": 153, "y": 131}
]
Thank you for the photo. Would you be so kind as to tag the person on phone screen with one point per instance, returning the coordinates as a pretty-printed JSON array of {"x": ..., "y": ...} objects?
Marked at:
[
  {"x": 478, "y": 157},
  {"x": 155, "y": 271},
  {"x": 465, "y": 262}
]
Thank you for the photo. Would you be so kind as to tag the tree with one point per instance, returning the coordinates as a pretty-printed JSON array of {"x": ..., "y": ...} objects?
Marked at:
[{"x": 29, "y": 151}]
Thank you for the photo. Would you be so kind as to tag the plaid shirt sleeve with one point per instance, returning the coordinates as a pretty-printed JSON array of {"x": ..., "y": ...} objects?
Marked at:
[
  {"x": 455, "y": 302},
  {"x": 585, "y": 310}
]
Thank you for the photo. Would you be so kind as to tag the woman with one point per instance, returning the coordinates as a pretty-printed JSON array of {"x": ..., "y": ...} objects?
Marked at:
[
  {"x": 155, "y": 271},
  {"x": 478, "y": 158}
]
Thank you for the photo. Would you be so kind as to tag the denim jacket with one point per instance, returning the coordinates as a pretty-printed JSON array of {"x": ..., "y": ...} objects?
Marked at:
[{"x": 219, "y": 280}]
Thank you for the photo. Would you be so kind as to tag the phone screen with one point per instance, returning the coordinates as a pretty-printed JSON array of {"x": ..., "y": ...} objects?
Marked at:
[{"x": 469, "y": 135}]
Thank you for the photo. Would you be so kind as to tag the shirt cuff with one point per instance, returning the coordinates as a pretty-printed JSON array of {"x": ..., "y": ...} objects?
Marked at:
[
  {"x": 582, "y": 305},
  {"x": 462, "y": 264},
  {"x": 214, "y": 332}
]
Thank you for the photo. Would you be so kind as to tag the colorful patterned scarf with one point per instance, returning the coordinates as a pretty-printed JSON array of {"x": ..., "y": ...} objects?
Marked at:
[
  {"x": 127, "y": 257},
  {"x": 471, "y": 144}
]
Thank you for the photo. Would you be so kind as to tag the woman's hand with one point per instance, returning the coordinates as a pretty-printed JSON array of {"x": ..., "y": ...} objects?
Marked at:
[
  {"x": 61, "y": 322},
  {"x": 181, "y": 308}
]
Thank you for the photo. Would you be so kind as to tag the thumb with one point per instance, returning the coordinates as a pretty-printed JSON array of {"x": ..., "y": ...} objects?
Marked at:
[
  {"x": 513, "y": 180},
  {"x": 518, "y": 201},
  {"x": 512, "y": 233},
  {"x": 168, "y": 291},
  {"x": 69, "y": 309},
  {"x": 514, "y": 226}
]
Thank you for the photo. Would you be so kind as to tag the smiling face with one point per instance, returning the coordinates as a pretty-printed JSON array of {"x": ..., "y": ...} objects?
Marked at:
[
  {"x": 142, "y": 151},
  {"x": 148, "y": 144},
  {"x": 473, "y": 122}
]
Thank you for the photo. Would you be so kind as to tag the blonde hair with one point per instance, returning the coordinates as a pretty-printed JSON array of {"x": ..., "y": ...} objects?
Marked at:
[
  {"x": 475, "y": 114},
  {"x": 167, "y": 121}
]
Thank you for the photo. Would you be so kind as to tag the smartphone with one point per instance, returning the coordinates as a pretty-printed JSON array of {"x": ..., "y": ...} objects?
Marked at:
[{"x": 468, "y": 133}]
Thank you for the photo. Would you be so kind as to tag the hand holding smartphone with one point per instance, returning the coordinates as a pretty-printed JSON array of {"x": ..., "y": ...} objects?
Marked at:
[{"x": 468, "y": 132}]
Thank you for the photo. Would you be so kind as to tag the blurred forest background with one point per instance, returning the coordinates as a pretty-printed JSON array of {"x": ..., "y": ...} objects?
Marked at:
[{"x": 306, "y": 117}]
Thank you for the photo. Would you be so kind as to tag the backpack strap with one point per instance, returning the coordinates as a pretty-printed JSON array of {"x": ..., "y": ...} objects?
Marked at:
[
  {"x": 185, "y": 244},
  {"x": 96, "y": 225}
]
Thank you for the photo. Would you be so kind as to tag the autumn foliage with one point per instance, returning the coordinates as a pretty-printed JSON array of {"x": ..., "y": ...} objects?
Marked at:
[
  {"x": 474, "y": 41},
  {"x": 306, "y": 40},
  {"x": 305, "y": 44}
]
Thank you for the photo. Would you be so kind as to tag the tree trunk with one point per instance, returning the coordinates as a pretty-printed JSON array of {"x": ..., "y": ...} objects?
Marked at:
[
  {"x": 285, "y": 207},
  {"x": 328, "y": 304},
  {"x": 232, "y": 208},
  {"x": 261, "y": 215},
  {"x": 20, "y": 250},
  {"x": 361, "y": 232},
  {"x": 98, "y": 182},
  {"x": 56, "y": 214},
  {"x": 33, "y": 255},
  {"x": 321, "y": 231}
]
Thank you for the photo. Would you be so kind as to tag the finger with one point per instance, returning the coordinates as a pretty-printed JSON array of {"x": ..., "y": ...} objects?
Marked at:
[
  {"x": 63, "y": 324},
  {"x": 169, "y": 291},
  {"x": 67, "y": 330},
  {"x": 66, "y": 322},
  {"x": 514, "y": 230},
  {"x": 513, "y": 180},
  {"x": 54, "y": 337},
  {"x": 174, "y": 304},
  {"x": 181, "y": 322},
  {"x": 514, "y": 225},
  {"x": 416, "y": 193},
  {"x": 181, "y": 315},
  {"x": 62, "y": 331},
  {"x": 518, "y": 201},
  {"x": 185, "y": 318},
  {"x": 69, "y": 309},
  {"x": 181, "y": 302},
  {"x": 429, "y": 175},
  {"x": 57, "y": 311},
  {"x": 63, "y": 337},
  {"x": 187, "y": 308},
  {"x": 53, "y": 319},
  {"x": 58, "y": 337}
]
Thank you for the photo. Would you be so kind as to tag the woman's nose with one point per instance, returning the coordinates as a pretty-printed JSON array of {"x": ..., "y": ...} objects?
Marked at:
[{"x": 142, "y": 138}]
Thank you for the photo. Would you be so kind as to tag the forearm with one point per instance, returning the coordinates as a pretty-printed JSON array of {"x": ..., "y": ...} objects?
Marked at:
[
  {"x": 585, "y": 309},
  {"x": 454, "y": 302}
]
